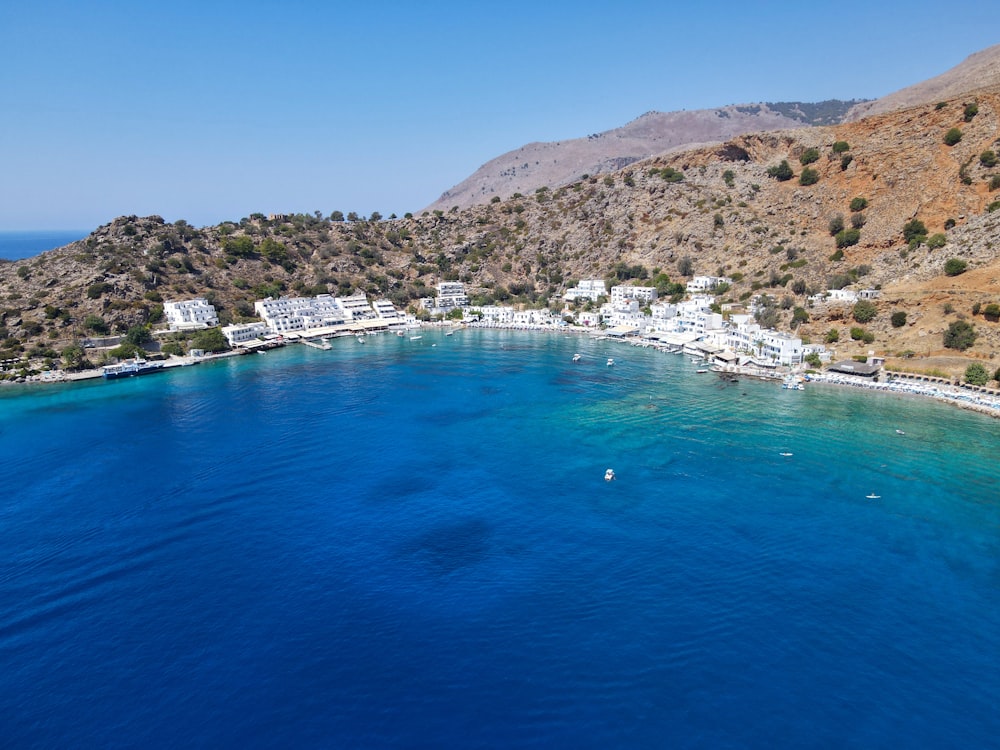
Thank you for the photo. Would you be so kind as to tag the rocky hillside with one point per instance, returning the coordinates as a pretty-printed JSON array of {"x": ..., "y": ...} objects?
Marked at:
[
  {"x": 536, "y": 165},
  {"x": 976, "y": 71},
  {"x": 900, "y": 200}
]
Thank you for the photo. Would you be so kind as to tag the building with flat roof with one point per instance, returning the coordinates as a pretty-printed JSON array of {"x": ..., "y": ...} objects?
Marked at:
[{"x": 191, "y": 314}]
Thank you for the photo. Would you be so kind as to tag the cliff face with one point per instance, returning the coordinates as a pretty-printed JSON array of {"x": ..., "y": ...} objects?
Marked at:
[{"x": 726, "y": 216}]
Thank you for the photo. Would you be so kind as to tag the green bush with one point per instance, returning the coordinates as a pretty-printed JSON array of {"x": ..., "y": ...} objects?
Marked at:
[
  {"x": 94, "y": 291},
  {"x": 857, "y": 333},
  {"x": 993, "y": 207},
  {"x": 859, "y": 203},
  {"x": 848, "y": 237},
  {"x": 898, "y": 319},
  {"x": 837, "y": 256},
  {"x": 96, "y": 324},
  {"x": 836, "y": 224},
  {"x": 955, "y": 266},
  {"x": 970, "y": 111},
  {"x": 976, "y": 374},
  {"x": 988, "y": 159},
  {"x": 914, "y": 230},
  {"x": 960, "y": 335},
  {"x": 936, "y": 241},
  {"x": 845, "y": 161},
  {"x": 840, "y": 147},
  {"x": 832, "y": 336},
  {"x": 857, "y": 220},
  {"x": 782, "y": 171},
  {"x": 809, "y": 156},
  {"x": 809, "y": 176},
  {"x": 864, "y": 311},
  {"x": 992, "y": 312},
  {"x": 952, "y": 137}
]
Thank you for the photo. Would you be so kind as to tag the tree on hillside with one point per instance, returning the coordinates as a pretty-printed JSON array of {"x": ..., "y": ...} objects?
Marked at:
[
  {"x": 976, "y": 374},
  {"x": 914, "y": 231},
  {"x": 782, "y": 171},
  {"x": 955, "y": 266},
  {"x": 960, "y": 335},
  {"x": 864, "y": 311},
  {"x": 952, "y": 137}
]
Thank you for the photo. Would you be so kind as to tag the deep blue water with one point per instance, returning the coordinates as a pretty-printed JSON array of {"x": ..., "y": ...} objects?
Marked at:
[
  {"x": 18, "y": 245},
  {"x": 407, "y": 545}
]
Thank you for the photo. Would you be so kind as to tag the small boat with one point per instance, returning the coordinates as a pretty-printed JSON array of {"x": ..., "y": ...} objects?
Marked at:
[
  {"x": 873, "y": 496},
  {"x": 449, "y": 333},
  {"x": 785, "y": 453},
  {"x": 900, "y": 432},
  {"x": 611, "y": 362},
  {"x": 576, "y": 357},
  {"x": 400, "y": 334},
  {"x": 609, "y": 475},
  {"x": 414, "y": 338},
  {"x": 701, "y": 371},
  {"x": 361, "y": 339}
]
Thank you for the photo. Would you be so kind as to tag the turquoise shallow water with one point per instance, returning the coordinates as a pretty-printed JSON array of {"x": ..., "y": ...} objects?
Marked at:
[{"x": 410, "y": 543}]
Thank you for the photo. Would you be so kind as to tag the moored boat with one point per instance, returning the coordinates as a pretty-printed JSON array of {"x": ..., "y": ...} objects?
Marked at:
[{"x": 131, "y": 368}]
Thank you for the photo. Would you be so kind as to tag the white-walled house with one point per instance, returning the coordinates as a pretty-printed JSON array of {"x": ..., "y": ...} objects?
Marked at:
[
  {"x": 622, "y": 293},
  {"x": 782, "y": 348},
  {"x": 706, "y": 283},
  {"x": 241, "y": 333},
  {"x": 186, "y": 315},
  {"x": 586, "y": 289}
]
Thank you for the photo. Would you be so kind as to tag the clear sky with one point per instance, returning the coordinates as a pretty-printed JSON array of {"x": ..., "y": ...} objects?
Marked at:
[{"x": 211, "y": 110}]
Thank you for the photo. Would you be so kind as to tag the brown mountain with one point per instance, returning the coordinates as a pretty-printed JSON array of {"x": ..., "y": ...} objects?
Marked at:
[
  {"x": 536, "y": 165},
  {"x": 981, "y": 69},
  {"x": 710, "y": 210}
]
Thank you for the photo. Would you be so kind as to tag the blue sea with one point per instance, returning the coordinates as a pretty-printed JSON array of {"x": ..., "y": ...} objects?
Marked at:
[
  {"x": 18, "y": 245},
  {"x": 411, "y": 544}
]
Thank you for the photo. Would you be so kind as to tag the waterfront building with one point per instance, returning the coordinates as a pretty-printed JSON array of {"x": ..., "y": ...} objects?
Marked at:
[
  {"x": 385, "y": 310},
  {"x": 356, "y": 307},
  {"x": 241, "y": 333},
  {"x": 191, "y": 314}
]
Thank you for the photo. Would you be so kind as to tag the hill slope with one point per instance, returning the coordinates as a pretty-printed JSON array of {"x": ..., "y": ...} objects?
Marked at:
[
  {"x": 981, "y": 69},
  {"x": 534, "y": 165}
]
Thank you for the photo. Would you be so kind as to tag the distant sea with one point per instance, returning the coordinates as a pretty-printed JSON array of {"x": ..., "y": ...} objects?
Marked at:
[
  {"x": 411, "y": 544},
  {"x": 18, "y": 245}
]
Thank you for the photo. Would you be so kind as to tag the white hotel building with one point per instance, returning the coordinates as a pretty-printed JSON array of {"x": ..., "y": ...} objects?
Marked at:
[
  {"x": 241, "y": 333},
  {"x": 586, "y": 289},
  {"x": 191, "y": 314}
]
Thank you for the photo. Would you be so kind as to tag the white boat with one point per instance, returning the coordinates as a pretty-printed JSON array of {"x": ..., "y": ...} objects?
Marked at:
[
  {"x": 785, "y": 453},
  {"x": 576, "y": 357},
  {"x": 449, "y": 333},
  {"x": 400, "y": 334},
  {"x": 610, "y": 362},
  {"x": 701, "y": 371},
  {"x": 414, "y": 338},
  {"x": 873, "y": 496},
  {"x": 609, "y": 475},
  {"x": 361, "y": 339},
  {"x": 900, "y": 432}
]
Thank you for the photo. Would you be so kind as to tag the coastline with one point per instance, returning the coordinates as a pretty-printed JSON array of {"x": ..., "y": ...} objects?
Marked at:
[{"x": 986, "y": 403}]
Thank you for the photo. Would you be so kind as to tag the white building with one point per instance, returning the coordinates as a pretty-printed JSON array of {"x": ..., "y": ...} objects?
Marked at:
[
  {"x": 190, "y": 314},
  {"x": 451, "y": 294},
  {"x": 495, "y": 314},
  {"x": 586, "y": 289},
  {"x": 621, "y": 293},
  {"x": 385, "y": 310},
  {"x": 782, "y": 348},
  {"x": 356, "y": 307},
  {"x": 706, "y": 283},
  {"x": 289, "y": 314},
  {"x": 243, "y": 332}
]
